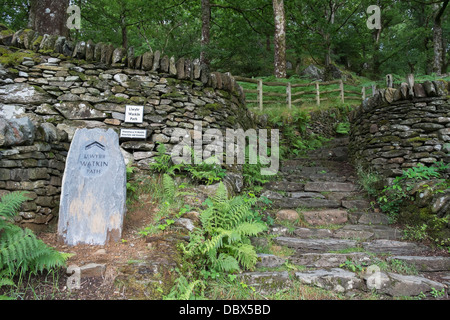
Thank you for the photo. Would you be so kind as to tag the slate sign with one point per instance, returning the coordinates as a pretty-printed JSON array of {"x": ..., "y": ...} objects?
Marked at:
[{"x": 93, "y": 195}]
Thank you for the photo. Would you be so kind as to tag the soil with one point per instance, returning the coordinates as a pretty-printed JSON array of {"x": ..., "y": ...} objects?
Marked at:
[{"x": 53, "y": 286}]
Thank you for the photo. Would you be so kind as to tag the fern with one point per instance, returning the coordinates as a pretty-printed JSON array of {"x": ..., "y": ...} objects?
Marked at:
[
  {"x": 227, "y": 226},
  {"x": 168, "y": 187},
  {"x": 20, "y": 250}
]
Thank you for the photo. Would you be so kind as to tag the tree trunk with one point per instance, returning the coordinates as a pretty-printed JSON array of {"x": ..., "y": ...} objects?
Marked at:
[
  {"x": 438, "y": 38},
  {"x": 206, "y": 29},
  {"x": 49, "y": 16},
  {"x": 124, "y": 33},
  {"x": 280, "y": 38}
]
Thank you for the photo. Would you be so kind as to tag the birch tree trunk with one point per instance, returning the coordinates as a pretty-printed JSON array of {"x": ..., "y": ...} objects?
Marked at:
[
  {"x": 280, "y": 38},
  {"x": 49, "y": 16}
]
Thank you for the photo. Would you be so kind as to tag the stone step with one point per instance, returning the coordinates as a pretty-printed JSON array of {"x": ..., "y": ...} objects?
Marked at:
[
  {"x": 336, "y": 279},
  {"x": 293, "y": 203},
  {"x": 329, "y": 260},
  {"x": 368, "y": 218},
  {"x": 325, "y": 217},
  {"x": 394, "y": 247},
  {"x": 316, "y": 245},
  {"x": 330, "y": 187},
  {"x": 397, "y": 285},
  {"x": 425, "y": 264},
  {"x": 350, "y": 231}
]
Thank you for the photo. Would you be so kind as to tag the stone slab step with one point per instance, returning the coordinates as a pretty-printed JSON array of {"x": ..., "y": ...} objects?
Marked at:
[
  {"x": 394, "y": 247},
  {"x": 329, "y": 260},
  {"x": 368, "y": 218},
  {"x": 398, "y": 285},
  {"x": 317, "y": 177},
  {"x": 330, "y": 187},
  {"x": 316, "y": 245},
  {"x": 425, "y": 264},
  {"x": 325, "y": 217},
  {"x": 266, "y": 282},
  {"x": 337, "y": 280},
  {"x": 349, "y": 231},
  {"x": 285, "y": 186},
  {"x": 366, "y": 232},
  {"x": 292, "y": 203}
]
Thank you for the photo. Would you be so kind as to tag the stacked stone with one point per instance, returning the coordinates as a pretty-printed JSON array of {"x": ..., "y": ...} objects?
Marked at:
[
  {"x": 32, "y": 153},
  {"x": 46, "y": 98},
  {"x": 182, "y": 69},
  {"x": 399, "y": 128}
]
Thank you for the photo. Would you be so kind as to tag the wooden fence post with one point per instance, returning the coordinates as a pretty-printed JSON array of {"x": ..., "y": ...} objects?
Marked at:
[
  {"x": 260, "y": 94},
  {"x": 318, "y": 93},
  {"x": 289, "y": 95},
  {"x": 363, "y": 93},
  {"x": 341, "y": 86},
  {"x": 374, "y": 89}
]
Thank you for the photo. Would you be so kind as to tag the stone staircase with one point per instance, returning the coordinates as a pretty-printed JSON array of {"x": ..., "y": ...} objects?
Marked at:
[{"x": 341, "y": 242}]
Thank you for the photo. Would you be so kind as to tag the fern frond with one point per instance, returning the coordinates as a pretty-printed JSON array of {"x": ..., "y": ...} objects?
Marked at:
[
  {"x": 10, "y": 203},
  {"x": 245, "y": 254},
  {"x": 168, "y": 187},
  {"x": 226, "y": 263}
]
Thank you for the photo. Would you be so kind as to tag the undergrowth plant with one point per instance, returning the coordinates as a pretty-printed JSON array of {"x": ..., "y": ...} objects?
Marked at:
[
  {"x": 394, "y": 196},
  {"x": 208, "y": 171},
  {"x": 223, "y": 243},
  {"x": 20, "y": 250}
]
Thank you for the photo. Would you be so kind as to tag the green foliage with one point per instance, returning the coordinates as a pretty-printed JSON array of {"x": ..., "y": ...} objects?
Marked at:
[
  {"x": 20, "y": 250},
  {"x": 208, "y": 171},
  {"x": 163, "y": 162},
  {"x": 343, "y": 128},
  {"x": 223, "y": 244},
  {"x": 185, "y": 289},
  {"x": 394, "y": 196}
]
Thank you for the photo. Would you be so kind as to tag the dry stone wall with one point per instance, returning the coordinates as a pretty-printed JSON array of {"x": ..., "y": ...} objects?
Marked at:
[
  {"x": 58, "y": 86},
  {"x": 400, "y": 128}
]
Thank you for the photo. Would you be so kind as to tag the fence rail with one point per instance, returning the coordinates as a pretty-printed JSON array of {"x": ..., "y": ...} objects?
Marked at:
[{"x": 293, "y": 97}]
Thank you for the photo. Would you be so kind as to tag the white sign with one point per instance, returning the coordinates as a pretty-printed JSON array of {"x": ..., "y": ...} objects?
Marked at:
[
  {"x": 133, "y": 133},
  {"x": 134, "y": 114}
]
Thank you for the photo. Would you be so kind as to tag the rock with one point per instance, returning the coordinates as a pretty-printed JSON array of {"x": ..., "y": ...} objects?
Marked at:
[
  {"x": 325, "y": 217},
  {"x": 329, "y": 260},
  {"x": 269, "y": 261},
  {"x": 16, "y": 131},
  {"x": 185, "y": 223},
  {"x": 307, "y": 233},
  {"x": 312, "y": 72},
  {"x": 93, "y": 194},
  {"x": 118, "y": 55},
  {"x": 23, "y": 93},
  {"x": 330, "y": 187},
  {"x": 394, "y": 247},
  {"x": 356, "y": 204},
  {"x": 402, "y": 285},
  {"x": 147, "y": 61},
  {"x": 79, "y": 111},
  {"x": 93, "y": 270},
  {"x": 426, "y": 264},
  {"x": 316, "y": 245},
  {"x": 373, "y": 218},
  {"x": 266, "y": 281},
  {"x": 285, "y": 186},
  {"x": 337, "y": 280},
  {"x": 287, "y": 215},
  {"x": 292, "y": 203}
]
